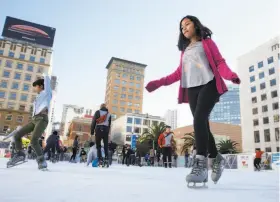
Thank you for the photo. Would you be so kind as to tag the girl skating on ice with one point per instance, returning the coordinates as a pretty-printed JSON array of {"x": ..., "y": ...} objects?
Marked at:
[{"x": 200, "y": 73}]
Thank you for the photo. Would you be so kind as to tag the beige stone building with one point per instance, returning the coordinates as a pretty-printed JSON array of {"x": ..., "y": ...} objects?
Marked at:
[
  {"x": 220, "y": 131},
  {"x": 20, "y": 65},
  {"x": 124, "y": 88}
]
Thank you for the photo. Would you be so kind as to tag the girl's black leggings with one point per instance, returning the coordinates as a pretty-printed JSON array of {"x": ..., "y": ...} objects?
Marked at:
[{"x": 202, "y": 100}]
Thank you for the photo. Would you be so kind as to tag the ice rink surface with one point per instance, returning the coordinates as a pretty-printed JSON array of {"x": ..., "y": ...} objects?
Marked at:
[{"x": 65, "y": 182}]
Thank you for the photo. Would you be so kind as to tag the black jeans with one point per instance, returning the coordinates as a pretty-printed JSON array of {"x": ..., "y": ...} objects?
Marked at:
[
  {"x": 202, "y": 100},
  {"x": 73, "y": 157},
  {"x": 102, "y": 133},
  {"x": 167, "y": 154},
  {"x": 257, "y": 162}
]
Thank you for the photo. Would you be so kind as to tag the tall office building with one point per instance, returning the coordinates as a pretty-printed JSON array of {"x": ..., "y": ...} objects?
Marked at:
[
  {"x": 227, "y": 110},
  {"x": 171, "y": 118},
  {"x": 259, "y": 97},
  {"x": 25, "y": 54},
  {"x": 124, "y": 88}
]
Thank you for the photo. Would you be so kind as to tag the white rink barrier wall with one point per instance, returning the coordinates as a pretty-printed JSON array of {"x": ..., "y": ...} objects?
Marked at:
[{"x": 245, "y": 161}]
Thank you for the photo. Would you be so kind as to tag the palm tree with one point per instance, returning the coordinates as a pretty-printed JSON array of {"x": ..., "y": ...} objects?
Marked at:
[
  {"x": 189, "y": 141},
  {"x": 227, "y": 147},
  {"x": 152, "y": 134}
]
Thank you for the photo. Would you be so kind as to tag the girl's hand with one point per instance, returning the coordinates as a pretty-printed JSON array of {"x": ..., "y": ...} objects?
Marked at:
[
  {"x": 152, "y": 85},
  {"x": 235, "y": 79}
]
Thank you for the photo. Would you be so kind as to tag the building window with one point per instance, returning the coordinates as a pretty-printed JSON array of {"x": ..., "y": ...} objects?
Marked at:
[
  {"x": 22, "y": 56},
  {"x": 270, "y": 60},
  {"x": 129, "y": 110},
  {"x": 123, "y": 103},
  {"x": 137, "y": 121},
  {"x": 11, "y": 54},
  {"x": 42, "y": 60},
  {"x": 32, "y": 59},
  {"x": 123, "y": 82},
  {"x": 131, "y": 90},
  {"x": 123, "y": 89},
  {"x": 9, "y": 117},
  {"x": 274, "y": 94},
  {"x": 262, "y": 86},
  {"x": 276, "y": 134},
  {"x": 15, "y": 85},
  {"x": 273, "y": 82},
  {"x": 255, "y": 110},
  {"x": 275, "y": 106},
  {"x": 255, "y": 122},
  {"x": 128, "y": 129},
  {"x": 253, "y": 89},
  {"x": 17, "y": 76},
  {"x": 271, "y": 71},
  {"x": 13, "y": 96},
  {"x": 265, "y": 120},
  {"x": 20, "y": 66},
  {"x": 2, "y": 94},
  {"x": 117, "y": 81},
  {"x": 23, "y": 97},
  {"x": 130, "y": 97},
  {"x": 131, "y": 84},
  {"x": 263, "y": 97},
  {"x": 251, "y": 69},
  {"x": 129, "y": 120},
  {"x": 268, "y": 149},
  {"x": 277, "y": 149},
  {"x": 266, "y": 135},
  {"x": 138, "y": 78},
  {"x": 122, "y": 109},
  {"x": 146, "y": 122},
  {"x": 261, "y": 75},
  {"x": 260, "y": 64},
  {"x": 4, "y": 84},
  {"x": 136, "y": 111},
  {"x": 5, "y": 128},
  {"x": 115, "y": 94},
  {"x": 123, "y": 96},
  {"x": 9, "y": 63},
  {"x": 252, "y": 79},
  {"x": 11, "y": 105},
  {"x": 22, "y": 107},
  {"x": 115, "y": 109},
  {"x": 1, "y": 52},
  {"x": 137, "y": 105},
  {"x": 30, "y": 68},
  {"x": 276, "y": 118},
  {"x": 115, "y": 102},
  {"x": 116, "y": 88},
  {"x": 27, "y": 77},
  {"x": 26, "y": 87},
  {"x": 137, "y": 130},
  {"x": 254, "y": 100},
  {"x": 124, "y": 75},
  {"x": 129, "y": 104},
  {"x": 19, "y": 119},
  {"x": 137, "y": 98},
  {"x": 154, "y": 123},
  {"x": 257, "y": 136},
  {"x": 131, "y": 77},
  {"x": 138, "y": 85},
  {"x": 264, "y": 108}
]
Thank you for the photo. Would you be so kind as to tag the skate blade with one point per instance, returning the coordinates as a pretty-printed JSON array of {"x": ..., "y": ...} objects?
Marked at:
[
  {"x": 192, "y": 185},
  {"x": 17, "y": 164},
  {"x": 44, "y": 169}
]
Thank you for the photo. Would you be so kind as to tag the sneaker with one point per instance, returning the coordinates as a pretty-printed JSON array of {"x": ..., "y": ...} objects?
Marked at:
[
  {"x": 199, "y": 173},
  {"x": 217, "y": 168}
]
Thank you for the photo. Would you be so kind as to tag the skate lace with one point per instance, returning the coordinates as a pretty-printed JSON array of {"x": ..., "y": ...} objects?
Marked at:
[
  {"x": 197, "y": 167},
  {"x": 216, "y": 166}
]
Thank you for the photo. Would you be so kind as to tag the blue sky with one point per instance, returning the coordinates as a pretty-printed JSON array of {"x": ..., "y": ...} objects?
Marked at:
[{"x": 90, "y": 32}]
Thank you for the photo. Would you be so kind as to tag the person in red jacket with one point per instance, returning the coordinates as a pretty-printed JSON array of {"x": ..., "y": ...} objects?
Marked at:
[
  {"x": 165, "y": 142},
  {"x": 200, "y": 73}
]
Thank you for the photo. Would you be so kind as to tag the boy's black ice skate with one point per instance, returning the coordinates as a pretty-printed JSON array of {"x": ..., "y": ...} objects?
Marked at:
[
  {"x": 17, "y": 159},
  {"x": 42, "y": 163},
  {"x": 106, "y": 163},
  {"x": 199, "y": 173}
]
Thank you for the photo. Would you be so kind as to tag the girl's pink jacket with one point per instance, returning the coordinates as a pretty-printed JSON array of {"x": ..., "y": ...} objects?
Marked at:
[{"x": 218, "y": 65}]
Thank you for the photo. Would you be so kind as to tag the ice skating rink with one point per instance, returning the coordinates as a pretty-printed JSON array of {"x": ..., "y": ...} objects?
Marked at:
[{"x": 66, "y": 182}]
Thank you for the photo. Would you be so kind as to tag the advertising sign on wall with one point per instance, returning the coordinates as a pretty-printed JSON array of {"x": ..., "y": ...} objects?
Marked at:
[
  {"x": 245, "y": 162},
  {"x": 27, "y": 31}
]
